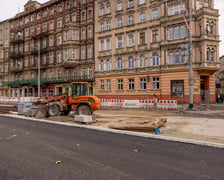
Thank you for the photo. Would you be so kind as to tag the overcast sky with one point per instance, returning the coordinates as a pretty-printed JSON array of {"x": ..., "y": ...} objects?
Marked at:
[{"x": 9, "y": 8}]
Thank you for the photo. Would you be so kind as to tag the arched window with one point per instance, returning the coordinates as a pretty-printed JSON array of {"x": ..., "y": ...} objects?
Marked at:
[
  {"x": 119, "y": 63},
  {"x": 142, "y": 60},
  {"x": 155, "y": 59},
  {"x": 131, "y": 63},
  {"x": 208, "y": 54}
]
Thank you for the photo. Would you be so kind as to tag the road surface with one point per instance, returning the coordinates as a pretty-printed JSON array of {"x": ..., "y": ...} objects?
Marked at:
[{"x": 32, "y": 150}]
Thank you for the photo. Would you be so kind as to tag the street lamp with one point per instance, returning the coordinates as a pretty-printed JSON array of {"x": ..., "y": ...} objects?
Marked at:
[
  {"x": 38, "y": 74},
  {"x": 189, "y": 26}
]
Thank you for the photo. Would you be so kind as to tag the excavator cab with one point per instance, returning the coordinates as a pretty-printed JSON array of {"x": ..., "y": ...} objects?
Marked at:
[{"x": 79, "y": 89}]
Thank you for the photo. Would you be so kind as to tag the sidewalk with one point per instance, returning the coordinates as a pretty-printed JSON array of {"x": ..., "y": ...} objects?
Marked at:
[{"x": 194, "y": 125}]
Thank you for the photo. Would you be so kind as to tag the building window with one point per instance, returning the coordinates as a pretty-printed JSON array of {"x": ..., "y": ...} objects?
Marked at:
[
  {"x": 177, "y": 32},
  {"x": 131, "y": 40},
  {"x": 83, "y": 36},
  {"x": 177, "y": 88},
  {"x": 108, "y": 85},
  {"x": 177, "y": 57},
  {"x": 176, "y": 8},
  {"x": 120, "y": 84},
  {"x": 155, "y": 83},
  {"x": 83, "y": 53},
  {"x": 101, "y": 27},
  {"x": 59, "y": 40},
  {"x": 143, "y": 83},
  {"x": 142, "y": 17},
  {"x": 59, "y": 73},
  {"x": 74, "y": 35},
  {"x": 142, "y": 60},
  {"x": 83, "y": 73},
  {"x": 131, "y": 83},
  {"x": 59, "y": 24},
  {"x": 119, "y": 6},
  {"x": 119, "y": 23},
  {"x": 59, "y": 57},
  {"x": 102, "y": 85},
  {"x": 90, "y": 72},
  {"x": 90, "y": 14},
  {"x": 119, "y": 42},
  {"x": 131, "y": 63},
  {"x": 90, "y": 52},
  {"x": 101, "y": 11},
  {"x": 155, "y": 36},
  {"x": 73, "y": 54},
  {"x": 102, "y": 45},
  {"x": 90, "y": 33},
  {"x": 155, "y": 14},
  {"x": 155, "y": 59},
  {"x": 108, "y": 26},
  {"x": 142, "y": 38},
  {"x": 108, "y": 9},
  {"x": 66, "y": 36},
  {"x": 66, "y": 54},
  {"x": 108, "y": 65},
  {"x": 108, "y": 44},
  {"x": 130, "y": 20},
  {"x": 120, "y": 63},
  {"x": 83, "y": 16},
  {"x": 102, "y": 65},
  {"x": 130, "y": 3}
]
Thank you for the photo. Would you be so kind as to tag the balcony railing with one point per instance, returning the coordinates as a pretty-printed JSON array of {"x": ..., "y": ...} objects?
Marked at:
[
  {"x": 40, "y": 34},
  {"x": 17, "y": 39},
  {"x": 34, "y": 50},
  {"x": 16, "y": 69},
  {"x": 34, "y": 82},
  {"x": 16, "y": 54}
]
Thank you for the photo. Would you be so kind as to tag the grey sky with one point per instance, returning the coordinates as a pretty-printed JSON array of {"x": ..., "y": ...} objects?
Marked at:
[{"x": 9, "y": 8}]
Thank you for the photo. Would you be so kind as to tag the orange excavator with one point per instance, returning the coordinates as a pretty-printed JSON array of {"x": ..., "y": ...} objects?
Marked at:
[{"x": 79, "y": 101}]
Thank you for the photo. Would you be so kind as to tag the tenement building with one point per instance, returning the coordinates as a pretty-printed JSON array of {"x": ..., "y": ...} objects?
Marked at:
[
  {"x": 4, "y": 55},
  {"x": 55, "y": 38},
  {"x": 142, "y": 48}
]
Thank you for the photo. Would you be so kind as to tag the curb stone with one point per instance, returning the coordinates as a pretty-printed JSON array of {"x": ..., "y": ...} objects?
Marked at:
[{"x": 139, "y": 134}]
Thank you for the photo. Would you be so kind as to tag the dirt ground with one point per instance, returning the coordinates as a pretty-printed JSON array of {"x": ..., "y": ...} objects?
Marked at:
[{"x": 189, "y": 125}]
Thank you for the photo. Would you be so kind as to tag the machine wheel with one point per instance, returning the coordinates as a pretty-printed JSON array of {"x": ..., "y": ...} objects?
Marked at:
[
  {"x": 83, "y": 110},
  {"x": 54, "y": 110}
]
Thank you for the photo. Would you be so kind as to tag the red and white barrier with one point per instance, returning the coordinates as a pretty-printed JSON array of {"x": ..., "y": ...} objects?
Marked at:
[{"x": 142, "y": 104}]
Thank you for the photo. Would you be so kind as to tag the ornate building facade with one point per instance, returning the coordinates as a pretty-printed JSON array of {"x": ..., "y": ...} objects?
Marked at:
[
  {"x": 59, "y": 36},
  {"x": 4, "y": 56},
  {"x": 141, "y": 48}
]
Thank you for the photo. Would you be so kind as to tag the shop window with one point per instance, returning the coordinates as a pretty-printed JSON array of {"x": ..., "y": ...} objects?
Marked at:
[{"x": 177, "y": 88}]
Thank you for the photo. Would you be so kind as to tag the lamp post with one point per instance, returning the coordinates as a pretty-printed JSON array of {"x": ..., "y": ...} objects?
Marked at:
[
  {"x": 189, "y": 26},
  {"x": 190, "y": 62},
  {"x": 38, "y": 74}
]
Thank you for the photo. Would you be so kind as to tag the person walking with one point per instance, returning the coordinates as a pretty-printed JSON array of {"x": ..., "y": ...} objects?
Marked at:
[{"x": 155, "y": 99}]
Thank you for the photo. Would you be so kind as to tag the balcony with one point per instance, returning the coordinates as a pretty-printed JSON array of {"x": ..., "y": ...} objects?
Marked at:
[
  {"x": 71, "y": 42},
  {"x": 16, "y": 69},
  {"x": 70, "y": 63},
  {"x": 40, "y": 35},
  {"x": 15, "y": 55},
  {"x": 34, "y": 50},
  {"x": 207, "y": 11},
  {"x": 34, "y": 82},
  {"x": 17, "y": 39}
]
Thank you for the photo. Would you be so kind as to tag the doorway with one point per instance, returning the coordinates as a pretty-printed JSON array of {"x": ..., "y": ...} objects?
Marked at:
[{"x": 204, "y": 87}]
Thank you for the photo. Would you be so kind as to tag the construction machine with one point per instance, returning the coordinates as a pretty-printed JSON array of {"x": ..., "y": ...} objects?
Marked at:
[{"x": 79, "y": 101}]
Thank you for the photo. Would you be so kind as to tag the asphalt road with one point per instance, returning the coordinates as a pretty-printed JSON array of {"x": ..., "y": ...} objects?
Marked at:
[{"x": 31, "y": 150}]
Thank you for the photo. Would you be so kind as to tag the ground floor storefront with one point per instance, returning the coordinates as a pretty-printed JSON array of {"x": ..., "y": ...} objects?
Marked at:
[
  {"x": 45, "y": 90},
  {"x": 165, "y": 85}
]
